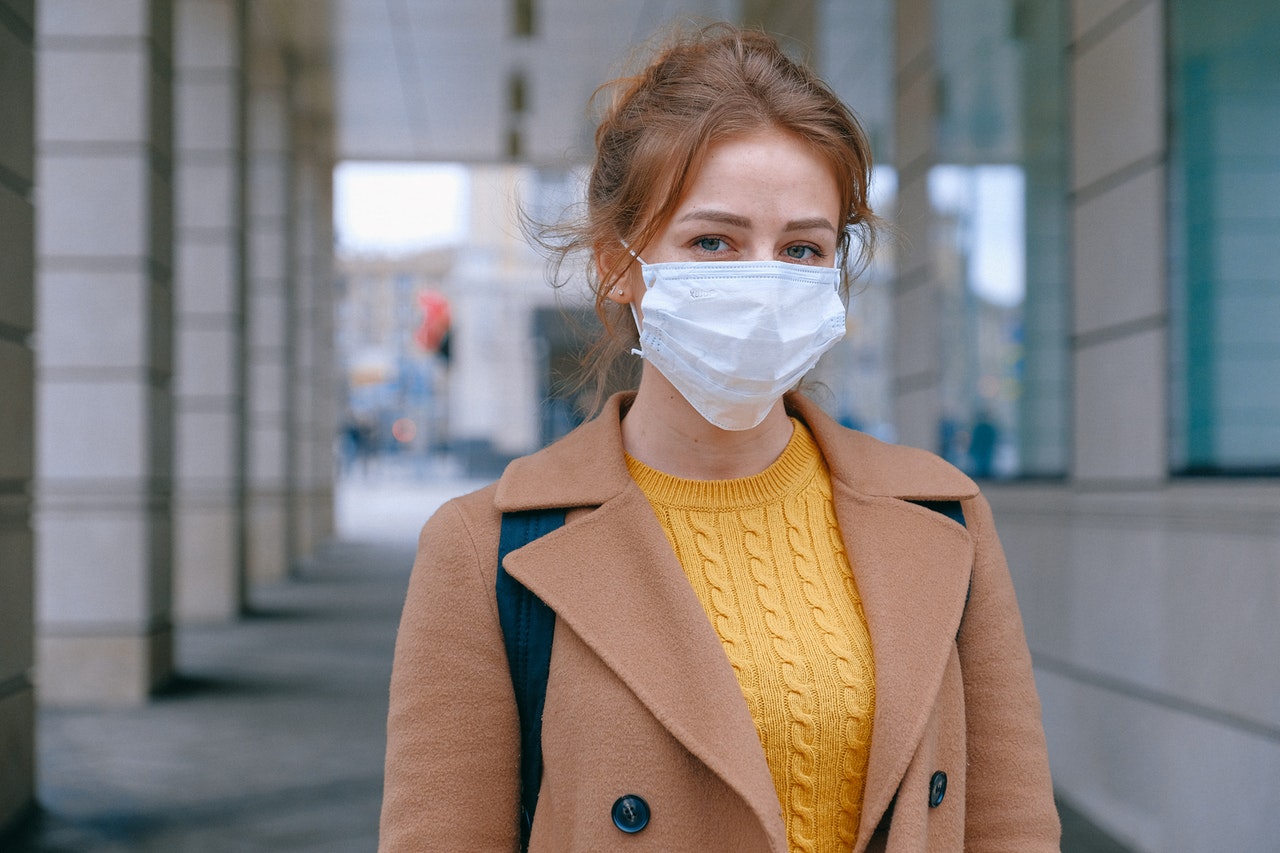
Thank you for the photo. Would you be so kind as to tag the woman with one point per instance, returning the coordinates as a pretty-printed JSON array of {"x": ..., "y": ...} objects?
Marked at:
[{"x": 771, "y": 633}]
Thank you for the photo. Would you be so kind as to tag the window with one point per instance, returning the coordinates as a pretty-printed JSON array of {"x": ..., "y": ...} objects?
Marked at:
[
  {"x": 998, "y": 193},
  {"x": 1224, "y": 236}
]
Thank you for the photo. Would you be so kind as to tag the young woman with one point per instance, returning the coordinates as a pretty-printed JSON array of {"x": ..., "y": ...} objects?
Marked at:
[{"x": 771, "y": 633}]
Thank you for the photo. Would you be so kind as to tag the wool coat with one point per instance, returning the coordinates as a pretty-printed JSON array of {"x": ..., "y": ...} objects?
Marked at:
[{"x": 641, "y": 699}]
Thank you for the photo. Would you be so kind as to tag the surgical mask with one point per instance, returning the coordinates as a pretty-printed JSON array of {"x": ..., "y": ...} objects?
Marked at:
[{"x": 734, "y": 336}]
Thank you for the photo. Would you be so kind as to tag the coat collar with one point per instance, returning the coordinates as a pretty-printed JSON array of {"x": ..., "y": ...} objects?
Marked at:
[{"x": 634, "y": 607}]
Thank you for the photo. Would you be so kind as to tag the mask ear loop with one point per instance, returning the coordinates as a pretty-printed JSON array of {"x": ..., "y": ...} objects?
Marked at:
[{"x": 635, "y": 317}]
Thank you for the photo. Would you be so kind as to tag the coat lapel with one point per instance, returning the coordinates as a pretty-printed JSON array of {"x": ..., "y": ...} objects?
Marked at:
[
  {"x": 635, "y": 609},
  {"x": 612, "y": 578},
  {"x": 912, "y": 567}
]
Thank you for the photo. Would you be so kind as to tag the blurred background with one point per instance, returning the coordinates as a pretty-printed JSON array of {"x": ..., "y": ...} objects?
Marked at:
[{"x": 265, "y": 301}]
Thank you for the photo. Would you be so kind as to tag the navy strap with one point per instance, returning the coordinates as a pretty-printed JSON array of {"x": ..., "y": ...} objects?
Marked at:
[
  {"x": 528, "y": 626},
  {"x": 951, "y": 509}
]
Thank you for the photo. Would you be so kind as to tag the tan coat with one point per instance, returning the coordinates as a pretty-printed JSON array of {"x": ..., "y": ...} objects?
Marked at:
[{"x": 642, "y": 700}]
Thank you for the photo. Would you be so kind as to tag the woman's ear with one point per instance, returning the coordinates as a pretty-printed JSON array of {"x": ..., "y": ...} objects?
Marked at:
[{"x": 619, "y": 269}]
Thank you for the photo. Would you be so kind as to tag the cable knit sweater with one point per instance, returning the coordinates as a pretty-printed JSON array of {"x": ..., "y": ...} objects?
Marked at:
[{"x": 764, "y": 556}]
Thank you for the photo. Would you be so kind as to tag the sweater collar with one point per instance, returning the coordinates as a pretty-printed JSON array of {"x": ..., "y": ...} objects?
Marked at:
[
  {"x": 588, "y": 467},
  {"x": 799, "y": 462}
]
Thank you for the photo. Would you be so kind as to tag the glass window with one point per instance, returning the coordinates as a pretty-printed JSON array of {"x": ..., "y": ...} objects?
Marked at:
[
  {"x": 1224, "y": 236},
  {"x": 998, "y": 193}
]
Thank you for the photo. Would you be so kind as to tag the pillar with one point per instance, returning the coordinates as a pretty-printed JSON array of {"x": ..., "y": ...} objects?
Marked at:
[
  {"x": 917, "y": 388},
  {"x": 104, "y": 325},
  {"x": 267, "y": 321},
  {"x": 17, "y": 414},
  {"x": 1119, "y": 336},
  {"x": 209, "y": 341},
  {"x": 311, "y": 368}
]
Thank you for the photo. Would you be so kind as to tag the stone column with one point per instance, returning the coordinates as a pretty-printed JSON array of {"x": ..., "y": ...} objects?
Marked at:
[
  {"x": 311, "y": 353},
  {"x": 301, "y": 350},
  {"x": 104, "y": 321},
  {"x": 1119, "y": 340},
  {"x": 325, "y": 403},
  {"x": 917, "y": 360},
  {"x": 269, "y": 241},
  {"x": 17, "y": 414},
  {"x": 209, "y": 358}
]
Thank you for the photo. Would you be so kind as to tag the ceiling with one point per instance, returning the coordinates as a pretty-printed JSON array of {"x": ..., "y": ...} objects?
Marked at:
[{"x": 451, "y": 80}]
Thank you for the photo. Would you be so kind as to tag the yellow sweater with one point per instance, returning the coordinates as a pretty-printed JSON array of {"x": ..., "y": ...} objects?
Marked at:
[{"x": 765, "y": 556}]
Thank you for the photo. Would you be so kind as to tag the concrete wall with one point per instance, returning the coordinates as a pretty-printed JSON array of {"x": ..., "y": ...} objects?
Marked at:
[
  {"x": 1151, "y": 615},
  {"x": 17, "y": 379}
]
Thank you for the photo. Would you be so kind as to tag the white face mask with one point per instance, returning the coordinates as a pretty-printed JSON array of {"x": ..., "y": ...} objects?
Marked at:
[{"x": 734, "y": 336}]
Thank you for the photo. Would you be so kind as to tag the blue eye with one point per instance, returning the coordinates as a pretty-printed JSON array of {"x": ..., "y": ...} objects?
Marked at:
[
  {"x": 709, "y": 244},
  {"x": 801, "y": 253}
]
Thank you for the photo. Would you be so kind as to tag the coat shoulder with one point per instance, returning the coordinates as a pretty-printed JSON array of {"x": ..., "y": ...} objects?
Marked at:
[
  {"x": 896, "y": 470},
  {"x": 587, "y": 467},
  {"x": 475, "y": 507},
  {"x": 874, "y": 467}
]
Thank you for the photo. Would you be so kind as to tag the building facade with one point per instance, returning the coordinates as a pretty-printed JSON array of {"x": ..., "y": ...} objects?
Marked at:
[{"x": 1138, "y": 503}]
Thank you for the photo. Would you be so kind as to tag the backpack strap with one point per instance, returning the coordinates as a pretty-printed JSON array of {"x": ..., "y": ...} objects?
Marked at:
[
  {"x": 528, "y": 625},
  {"x": 951, "y": 509}
]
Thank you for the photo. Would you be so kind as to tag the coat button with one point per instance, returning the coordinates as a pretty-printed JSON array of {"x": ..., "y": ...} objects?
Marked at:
[
  {"x": 630, "y": 813},
  {"x": 937, "y": 789}
]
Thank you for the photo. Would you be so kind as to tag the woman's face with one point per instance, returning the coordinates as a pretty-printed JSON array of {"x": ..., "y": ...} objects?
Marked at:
[{"x": 764, "y": 196}]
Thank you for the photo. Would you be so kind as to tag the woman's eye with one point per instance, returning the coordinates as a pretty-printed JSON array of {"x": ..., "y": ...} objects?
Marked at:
[
  {"x": 800, "y": 253},
  {"x": 709, "y": 244}
]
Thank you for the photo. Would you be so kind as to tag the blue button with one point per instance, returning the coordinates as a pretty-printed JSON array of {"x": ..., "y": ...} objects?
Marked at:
[
  {"x": 630, "y": 813},
  {"x": 937, "y": 789}
]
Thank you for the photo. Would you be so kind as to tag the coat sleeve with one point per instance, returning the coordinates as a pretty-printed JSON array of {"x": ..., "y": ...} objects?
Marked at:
[
  {"x": 1009, "y": 796},
  {"x": 451, "y": 780}
]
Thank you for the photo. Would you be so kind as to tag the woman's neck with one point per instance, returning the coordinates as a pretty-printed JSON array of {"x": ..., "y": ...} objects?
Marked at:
[{"x": 664, "y": 432}]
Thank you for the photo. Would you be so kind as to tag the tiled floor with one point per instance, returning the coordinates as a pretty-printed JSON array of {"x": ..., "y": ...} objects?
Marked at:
[{"x": 272, "y": 739}]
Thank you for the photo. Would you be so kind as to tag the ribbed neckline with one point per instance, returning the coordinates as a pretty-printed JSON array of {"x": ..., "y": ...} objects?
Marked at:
[{"x": 788, "y": 474}]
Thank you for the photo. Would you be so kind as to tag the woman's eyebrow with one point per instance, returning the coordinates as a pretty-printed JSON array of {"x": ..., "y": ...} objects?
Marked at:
[
  {"x": 724, "y": 217},
  {"x": 816, "y": 222}
]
